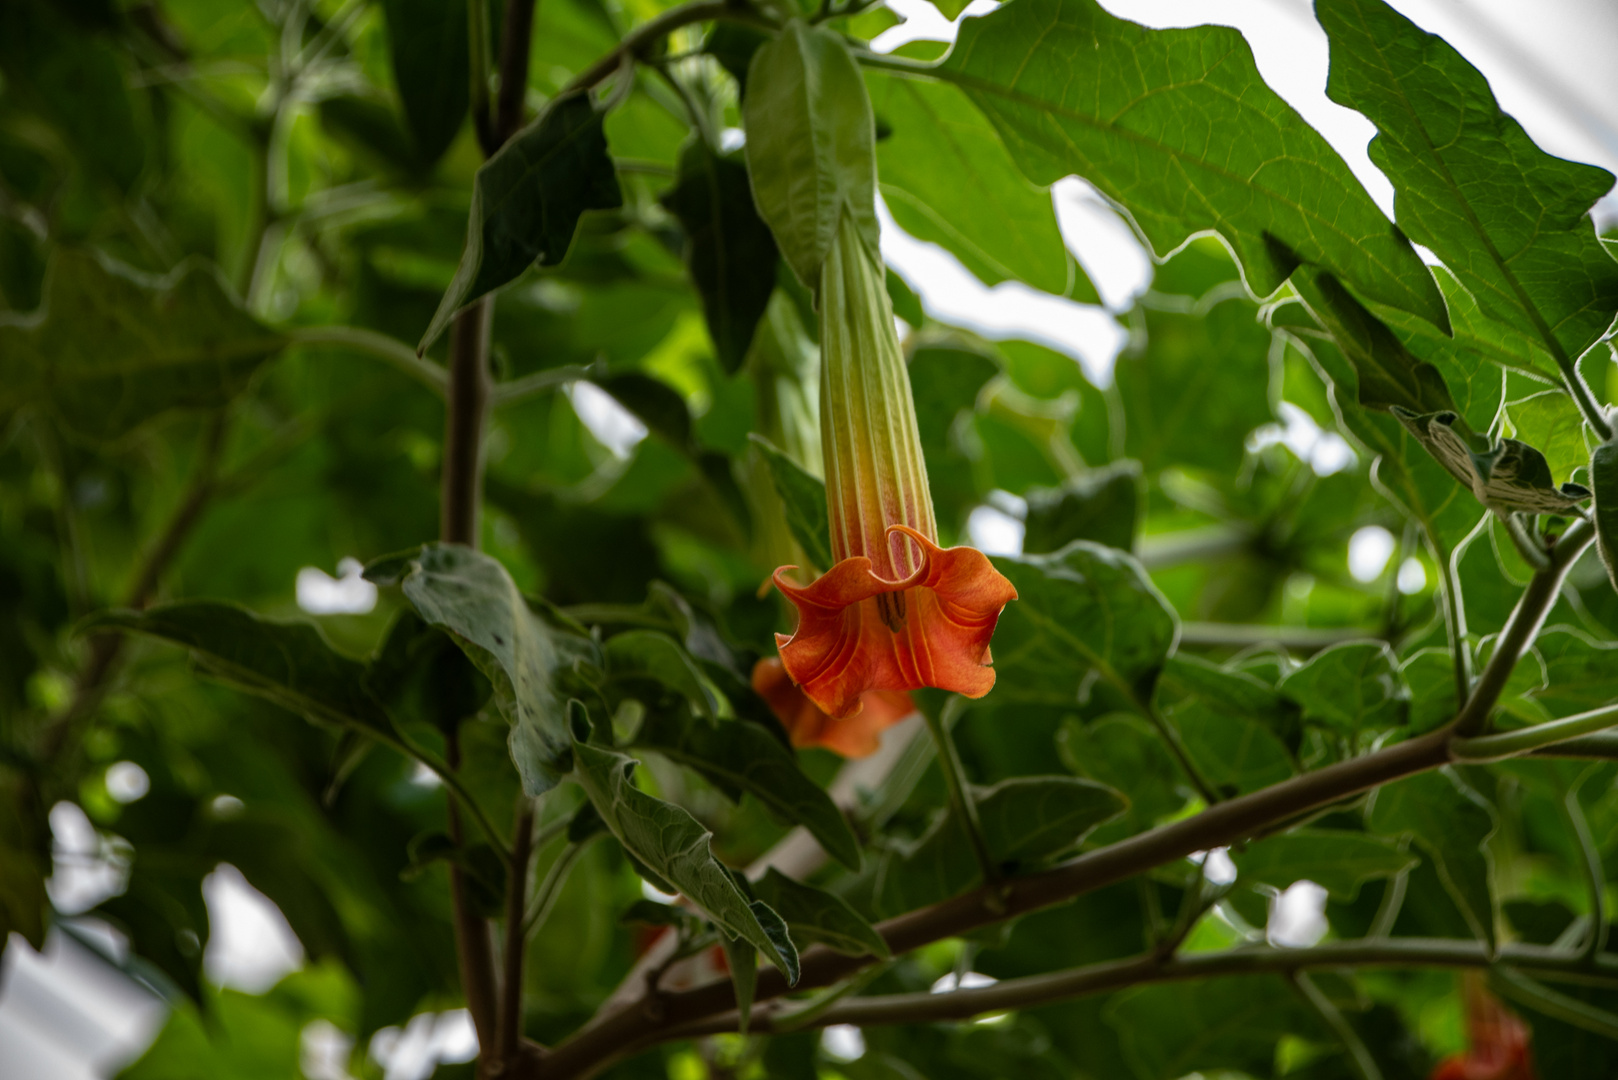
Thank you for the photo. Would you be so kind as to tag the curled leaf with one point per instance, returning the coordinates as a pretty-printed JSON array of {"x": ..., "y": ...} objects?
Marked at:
[{"x": 1507, "y": 476}]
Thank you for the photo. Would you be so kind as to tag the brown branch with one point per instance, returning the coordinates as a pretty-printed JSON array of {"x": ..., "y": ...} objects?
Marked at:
[
  {"x": 636, "y": 1027},
  {"x": 471, "y": 932},
  {"x": 515, "y": 39},
  {"x": 508, "y": 1022},
  {"x": 643, "y": 36},
  {"x": 467, "y": 409}
]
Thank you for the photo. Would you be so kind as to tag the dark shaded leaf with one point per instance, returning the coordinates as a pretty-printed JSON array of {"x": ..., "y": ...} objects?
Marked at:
[
  {"x": 1102, "y": 505},
  {"x": 427, "y": 41},
  {"x": 1354, "y": 688},
  {"x": 810, "y": 145},
  {"x": 1135, "y": 111},
  {"x": 671, "y": 844},
  {"x": 1173, "y": 1029},
  {"x": 1127, "y": 754},
  {"x": 419, "y": 674},
  {"x": 1604, "y": 485},
  {"x": 1234, "y": 754},
  {"x": 1337, "y": 861},
  {"x": 1452, "y": 824},
  {"x": 738, "y": 756},
  {"x": 110, "y": 349},
  {"x": 527, "y": 200},
  {"x": 728, "y": 249},
  {"x": 817, "y": 917},
  {"x": 646, "y": 655}
]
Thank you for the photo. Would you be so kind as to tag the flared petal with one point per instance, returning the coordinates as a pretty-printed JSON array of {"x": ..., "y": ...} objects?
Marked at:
[
  {"x": 859, "y": 632},
  {"x": 858, "y": 736}
]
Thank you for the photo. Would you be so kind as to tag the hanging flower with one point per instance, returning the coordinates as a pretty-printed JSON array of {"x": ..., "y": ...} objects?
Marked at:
[
  {"x": 856, "y": 737},
  {"x": 896, "y": 611},
  {"x": 1499, "y": 1039}
]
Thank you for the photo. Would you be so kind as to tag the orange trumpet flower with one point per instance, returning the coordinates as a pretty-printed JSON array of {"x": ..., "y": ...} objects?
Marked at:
[
  {"x": 807, "y": 725},
  {"x": 1499, "y": 1039},
  {"x": 896, "y": 612}
]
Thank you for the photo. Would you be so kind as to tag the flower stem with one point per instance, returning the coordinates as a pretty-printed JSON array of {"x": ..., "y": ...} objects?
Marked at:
[{"x": 960, "y": 796}]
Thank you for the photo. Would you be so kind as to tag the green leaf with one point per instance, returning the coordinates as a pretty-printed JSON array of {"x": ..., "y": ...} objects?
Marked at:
[
  {"x": 674, "y": 847},
  {"x": 649, "y": 655},
  {"x": 1234, "y": 754},
  {"x": 1172, "y": 1029},
  {"x": 1509, "y": 219},
  {"x": 1579, "y": 671},
  {"x": 1507, "y": 475},
  {"x": 1083, "y": 609},
  {"x": 810, "y": 145},
  {"x": 1430, "y": 675},
  {"x": 1126, "y": 753},
  {"x": 527, "y": 201},
  {"x": 1149, "y": 115},
  {"x": 1353, "y": 687},
  {"x": 419, "y": 674},
  {"x": 110, "y": 349},
  {"x": 1337, "y": 861},
  {"x": 427, "y": 40},
  {"x": 947, "y": 178},
  {"x": 1550, "y": 422},
  {"x": 1234, "y": 693},
  {"x": 1025, "y": 819},
  {"x": 740, "y": 756},
  {"x": 1102, "y": 505},
  {"x": 1196, "y": 385},
  {"x": 471, "y": 596},
  {"x": 289, "y": 663},
  {"x": 743, "y": 960},
  {"x": 1452, "y": 824},
  {"x": 1604, "y": 485},
  {"x": 25, "y": 863},
  {"x": 817, "y": 917},
  {"x": 729, "y": 251},
  {"x": 804, "y": 496}
]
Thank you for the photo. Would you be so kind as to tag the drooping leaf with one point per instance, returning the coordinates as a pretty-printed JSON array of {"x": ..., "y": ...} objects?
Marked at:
[
  {"x": 738, "y": 756},
  {"x": 472, "y": 597},
  {"x": 1145, "y": 116},
  {"x": 674, "y": 847},
  {"x": 1353, "y": 687},
  {"x": 1083, "y": 609},
  {"x": 810, "y": 145},
  {"x": 527, "y": 201},
  {"x": 1604, "y": 485},
  {"x": 1509, "y": 219},
  {"x": 729, "y": 251},
  {"x": 289, "y": 663},
  {"x": 1102, "y": 505},
  {"x": 1024, "y": 819},
  {"x": 947, "y": 179},
  {"x": 427, "y": 41},
  {"x": 1452, "y": 824},
  {"x": 804, "y": 497},
  {"x": 742, "y": 957},
  {"x": 1337, "y": 861},
  {"x": 1507, "y": 475},
  {"x": 110, "y": 349},
  {"x": 817, "y": 917}
]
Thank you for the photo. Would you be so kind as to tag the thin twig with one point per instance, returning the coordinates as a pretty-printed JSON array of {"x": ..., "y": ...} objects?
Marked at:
[
  {"x": 508, "y": 1021},
  {"x": 644, "y": 35},
  {"x": 381, "y": 346}
]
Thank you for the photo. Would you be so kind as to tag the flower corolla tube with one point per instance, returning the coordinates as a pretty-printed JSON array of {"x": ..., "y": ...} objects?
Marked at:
[{"x": 896, "y": 611}]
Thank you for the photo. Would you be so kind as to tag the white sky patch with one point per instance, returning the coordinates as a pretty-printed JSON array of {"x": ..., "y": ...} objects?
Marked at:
[
  {"x": 346, "y": 594},
  {"x": 1369, "y": 550},
  {"x": 972, "y": 980},
  {"x": 82, "y": 874},
  {"x": 994, "y": 532},
  {"x": 1298, "y": 916},
  {"x": 250, "y": 946},
  {"x": 1216, "y": 865},
  {"x": 843, "y": 1042},
  {"x": 127, "y": 782},
  {"x": 614, "y": 426},
  {"x": 414, "y": 1052},
  {"x": 323, "y": 1050},
  {"x": 1326, "y": 452},
  {"x": 1104, "y": 243},
  {"x": 1412, "y": 577}
]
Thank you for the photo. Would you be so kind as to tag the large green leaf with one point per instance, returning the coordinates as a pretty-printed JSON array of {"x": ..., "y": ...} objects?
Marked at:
[
  {"x": 674, "y": 846},
  {"x": 1604, "y": 484},
  {"x": 1337, "y": 861},
  {"x": 803, "y": 495},
  {"x": 1024, "y": 819},
  {"x": 1173, "y": 1029},
  {"x": 817, "y": 917},
  {"x": 1152, "y": 116},
  {"x": 1099, "y": 504},
  {"x": 1354, "y": 688},
  {"x": 1234, "y": 754},
  {"x": 1126, "y": 753},
  {"x": 110, "y": 349},
  {"x": 1083, "y": 609},
  {"x": 1509, "y": 219},
  {"x": 810, "y": 145},
  {"x": 1452, "y": 824},
  {"x": 289, "y": 663},
  {"x": 471, "y": 596},
  {"x": 427, "y": 40},
  {"x": 946, "y": 178},
  {"x": 527, "y": 201},
  {"x": 1550, "y": 422},
  {"x": 739, "y": 756},
  {"x": 649, "y": 656},
  {"x": 1579, "y": 671},
  {"x": 728, "y": 249}
]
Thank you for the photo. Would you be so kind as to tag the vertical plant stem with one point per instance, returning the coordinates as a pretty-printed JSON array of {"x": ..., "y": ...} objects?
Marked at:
[
  {"x": 515, "y": 38},
  {"x": 509, "y": 1021},
  {"x": 467, "y": 410},
  {"x": 1595, "y": 879},
  {"x": 1455, "y": 616},
  {"x": 960, "y": 796},
  {"x": 471, "y": 933}
]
